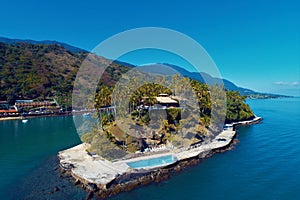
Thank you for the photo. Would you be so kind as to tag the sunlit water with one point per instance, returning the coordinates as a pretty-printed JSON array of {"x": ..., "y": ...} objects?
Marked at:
[{"x": 264, "y": 164}]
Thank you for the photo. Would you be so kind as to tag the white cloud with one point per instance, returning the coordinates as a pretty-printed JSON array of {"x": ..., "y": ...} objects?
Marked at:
[{"x": 294, "y": 83}]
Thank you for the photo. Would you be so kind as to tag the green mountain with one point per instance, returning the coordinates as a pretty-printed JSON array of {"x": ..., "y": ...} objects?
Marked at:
[
  {"x": 30, "y": 71},
  {"x": 66, "y": 46}
]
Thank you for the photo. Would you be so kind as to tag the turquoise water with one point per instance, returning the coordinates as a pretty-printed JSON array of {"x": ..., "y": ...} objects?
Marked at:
[
  {"x": 24, "y": 147},
  {"x": 152, "y": 162},
  {"x": 264, "y": 164}
]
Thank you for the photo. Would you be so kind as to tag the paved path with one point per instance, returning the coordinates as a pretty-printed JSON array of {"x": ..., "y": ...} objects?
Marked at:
[
  {"x": 93, "y": 170},
  {"x": 101, "y": 171}
]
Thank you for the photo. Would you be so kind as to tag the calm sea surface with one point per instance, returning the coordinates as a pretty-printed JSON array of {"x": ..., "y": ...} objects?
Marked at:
[{"x": 265, "y": 164}]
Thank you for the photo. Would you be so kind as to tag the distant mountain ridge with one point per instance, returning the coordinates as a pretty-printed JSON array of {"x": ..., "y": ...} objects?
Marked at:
[
  {"x": 206, "y": 78},
  {"x": 66, "y": 46},
  {"x": 72, "y": 64}
]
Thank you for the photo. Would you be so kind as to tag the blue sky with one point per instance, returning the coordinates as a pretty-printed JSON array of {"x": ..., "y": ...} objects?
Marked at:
[{"x": 255, "y": 44}]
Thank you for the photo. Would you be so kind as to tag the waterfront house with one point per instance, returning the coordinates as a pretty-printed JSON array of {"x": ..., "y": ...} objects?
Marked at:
[
  {"x": 6, "y": 110},
  {"x": 36, "y": 106},
  {"x": 166, "y": 101}
]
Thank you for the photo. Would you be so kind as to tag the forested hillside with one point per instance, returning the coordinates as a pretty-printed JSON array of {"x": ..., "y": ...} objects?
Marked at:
[{"x": 30, "y": 71}]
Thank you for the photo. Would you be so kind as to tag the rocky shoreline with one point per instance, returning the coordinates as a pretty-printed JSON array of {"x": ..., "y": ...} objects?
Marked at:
[
  {"x": 130, "y": 181},
  {"x": 133, "y": 179}
]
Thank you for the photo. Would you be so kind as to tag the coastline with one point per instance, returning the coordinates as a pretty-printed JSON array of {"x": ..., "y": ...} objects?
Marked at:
[
  {"x": 10, "y": 118},
  {"x": 38, "y": 115},
  {"x": 104, "y": 178}
]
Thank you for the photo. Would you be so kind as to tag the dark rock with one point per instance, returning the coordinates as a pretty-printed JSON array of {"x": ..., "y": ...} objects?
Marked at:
[
  {"x": 76, "y": 182},
  {"x": 55, "y": 189},
  {"x": 91, "y": 187},
  {"x": 146, "y": 181},
  {"x": 89, "y": 195},
  {"x": 132, "y": 185},
  {"x": 177, "y": 168}
]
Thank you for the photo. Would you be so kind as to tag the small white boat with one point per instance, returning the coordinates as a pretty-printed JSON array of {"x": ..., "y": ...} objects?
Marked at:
[
  {"x": 24, "y": 121},
  {"x": 86, "y": 114}
]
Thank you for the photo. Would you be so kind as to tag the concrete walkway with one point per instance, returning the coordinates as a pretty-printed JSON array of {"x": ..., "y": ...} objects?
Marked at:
[
  {"x": 101, "y": 171},
  {"x": 222, "y": 140},
  {"x": 98, "y": 171}
]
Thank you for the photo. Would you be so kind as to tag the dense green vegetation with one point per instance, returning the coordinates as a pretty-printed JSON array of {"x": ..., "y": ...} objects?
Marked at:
[
  {"x": 39, "y": 71},
  {"x": 237, "y": 109},
  {"x": 172, "y": 124}
]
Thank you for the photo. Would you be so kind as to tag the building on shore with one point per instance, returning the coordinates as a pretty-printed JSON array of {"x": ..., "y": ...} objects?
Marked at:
[
  {"x": 166, "y": 100},
  {"x": 33, "y": 103},
  {"x": 6, "y": 110}
]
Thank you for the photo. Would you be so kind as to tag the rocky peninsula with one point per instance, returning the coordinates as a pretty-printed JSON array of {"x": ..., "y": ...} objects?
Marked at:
[{"x": 105, "y": 178}]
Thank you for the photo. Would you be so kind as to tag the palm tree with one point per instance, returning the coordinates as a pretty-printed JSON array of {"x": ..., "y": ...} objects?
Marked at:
[{"x": 103, "y": 97}]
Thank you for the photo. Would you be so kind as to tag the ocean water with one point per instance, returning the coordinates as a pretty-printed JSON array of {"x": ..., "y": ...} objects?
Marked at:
[
  {"x": 24, "y": 148},
  {"x": 265, "y": 164}
]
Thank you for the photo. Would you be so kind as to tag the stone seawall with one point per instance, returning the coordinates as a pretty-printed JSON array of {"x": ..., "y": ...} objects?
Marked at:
[{"x": 129, "y": 181}]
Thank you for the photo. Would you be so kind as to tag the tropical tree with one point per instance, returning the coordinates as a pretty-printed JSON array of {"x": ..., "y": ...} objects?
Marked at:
[{"x": 103, "y": 97}]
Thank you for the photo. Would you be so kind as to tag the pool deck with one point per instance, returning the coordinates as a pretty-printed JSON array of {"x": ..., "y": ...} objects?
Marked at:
[{"x": 86, "y": 167}]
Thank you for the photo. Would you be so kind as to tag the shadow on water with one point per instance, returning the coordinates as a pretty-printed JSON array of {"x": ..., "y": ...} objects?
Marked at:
[{"x": 46, "y": 182}]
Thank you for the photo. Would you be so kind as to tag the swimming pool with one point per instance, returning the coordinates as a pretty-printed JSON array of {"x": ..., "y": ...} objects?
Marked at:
[{"x": 153, "y": 162}]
